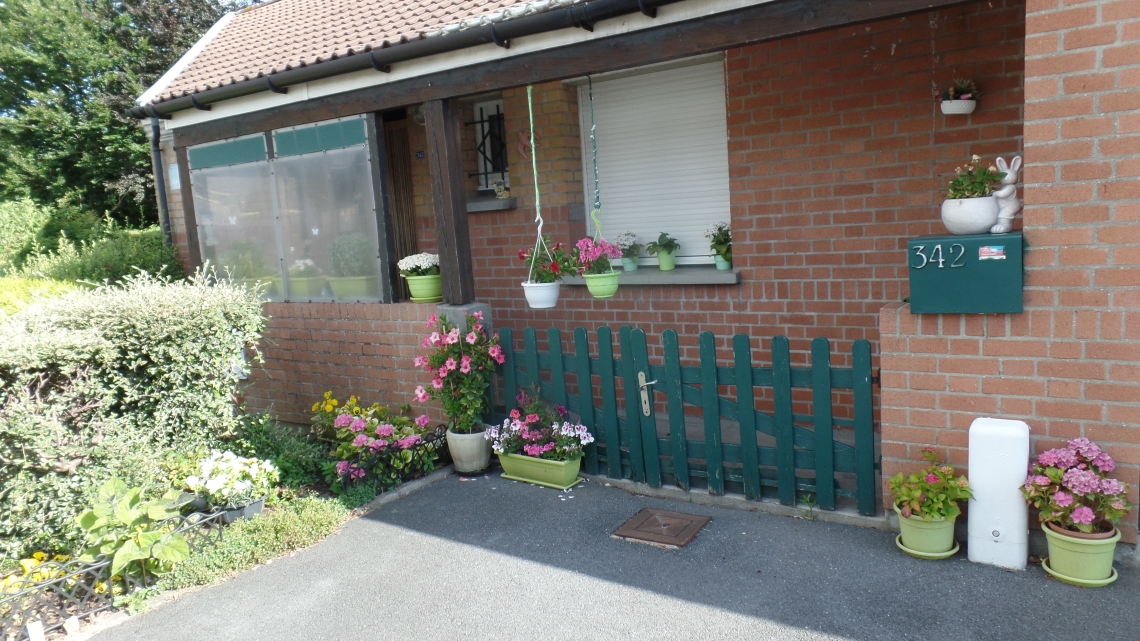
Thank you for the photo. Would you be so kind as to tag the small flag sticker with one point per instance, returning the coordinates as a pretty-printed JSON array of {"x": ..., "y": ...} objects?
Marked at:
[{"x": 991, "y": 252}]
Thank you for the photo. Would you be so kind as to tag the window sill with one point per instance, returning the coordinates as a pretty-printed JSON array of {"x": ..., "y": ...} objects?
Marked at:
[
  {"x": 476, "y": 205},
  {"x": 683, "y": 275}
]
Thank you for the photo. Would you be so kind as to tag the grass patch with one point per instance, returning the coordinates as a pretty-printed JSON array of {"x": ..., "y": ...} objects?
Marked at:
[
  {"x": 290, "y": 526},
  {"x": 16, "y": 293}
]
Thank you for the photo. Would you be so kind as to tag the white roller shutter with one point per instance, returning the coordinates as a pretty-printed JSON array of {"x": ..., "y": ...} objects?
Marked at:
[{"x": 662, "y": 155}]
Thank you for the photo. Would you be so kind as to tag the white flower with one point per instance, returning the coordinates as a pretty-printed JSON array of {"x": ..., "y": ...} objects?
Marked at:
[
  {"x": 418, "y": 261},
  {"x": 714, "y": 229},
  {"x": 625, "y": 240}
]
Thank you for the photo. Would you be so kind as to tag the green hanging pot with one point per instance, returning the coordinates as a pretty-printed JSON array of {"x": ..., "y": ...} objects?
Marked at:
[{"x": 602, "y": 285}]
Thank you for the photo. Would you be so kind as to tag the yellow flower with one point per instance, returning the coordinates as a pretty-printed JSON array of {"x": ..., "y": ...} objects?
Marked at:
[
  {"x": 328, "y": 395},
  {"x": 39, "y": 556},
  {"x": 316, "y": 405},
  {"x": 60, "y": 558}
]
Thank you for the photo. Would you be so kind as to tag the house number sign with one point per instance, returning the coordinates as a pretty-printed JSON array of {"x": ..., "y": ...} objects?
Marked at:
[
  {"x": 968, "y": 274},
  {"x": 937, "y": 257}
]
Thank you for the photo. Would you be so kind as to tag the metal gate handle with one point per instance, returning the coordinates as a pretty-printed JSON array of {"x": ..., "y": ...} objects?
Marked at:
[{"x": 646, "y": 408}]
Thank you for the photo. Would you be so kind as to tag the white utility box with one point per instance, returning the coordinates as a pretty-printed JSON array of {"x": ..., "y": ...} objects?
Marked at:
[{"x": 998, "y": 520}]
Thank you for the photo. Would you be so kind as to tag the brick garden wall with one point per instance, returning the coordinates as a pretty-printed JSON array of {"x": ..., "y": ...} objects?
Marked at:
[{"x": 1070, "y": 365}]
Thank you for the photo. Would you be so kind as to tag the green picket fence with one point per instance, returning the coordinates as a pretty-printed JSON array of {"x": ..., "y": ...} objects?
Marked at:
[{"x": 816, "y": 453}]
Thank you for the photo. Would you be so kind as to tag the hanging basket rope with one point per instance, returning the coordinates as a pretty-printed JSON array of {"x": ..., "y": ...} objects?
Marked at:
[
  {"x": 597, "y": 210},
  {"x": 539, "y": 242}
]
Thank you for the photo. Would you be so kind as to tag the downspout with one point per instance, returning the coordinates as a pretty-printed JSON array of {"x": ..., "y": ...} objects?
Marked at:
[
  {"x": 159, "y": 181},
  {"x": 582, "y": 16}
]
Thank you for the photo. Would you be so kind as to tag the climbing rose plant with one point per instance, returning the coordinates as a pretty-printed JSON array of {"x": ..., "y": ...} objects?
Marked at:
[
  {"x": 932, "y": 493},
  {"x": 461, "y": 366},
  {"x": 1071, "y": 488}
]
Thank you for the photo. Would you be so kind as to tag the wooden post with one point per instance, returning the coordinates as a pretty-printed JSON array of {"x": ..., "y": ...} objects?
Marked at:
[
  {"x": 450, "y": 202},
  {"x": 378, "y": 159}
]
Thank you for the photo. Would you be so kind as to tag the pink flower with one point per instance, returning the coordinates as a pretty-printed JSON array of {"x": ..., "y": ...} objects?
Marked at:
[
  {"x": 409, "y": 441},
  {"x": 928, "y": 448},
  {"x": 437, "y": 383},
  {"x": 356, "y": 473},
  {"x": 432, "y": 320},
  {"x": 434, "y": 339},
  {"x": 342, "y": 420},
  {"x": 342, "y": 468},
  {"x": 477, "y": 315},
  {"x": 1111, "y": 486},
  {"x": 515, "y": 414},
  {"x": 932, "y": 478},
  {"x": 422, "y": 420},
  {"x": 1118, "y": 505},
  {"x": 360, "y": 441},
  {"x": 472, "y": 337},
  {"x": 420, "y": 361},
  {"x": 385, "y": 430},
  {"x": 421, "y": 395},
  {"x": 561, "y": 410},
  {"x": 377, "y": 445},
  {"x": 1085, "y": 447},
  {"x": 1081, "y": 481},
  {"x": 443, "y": 371},
  {"x": 465, "y": 364},
  {"x": 1041, "y": 480},
  {"x": 478, "y": 327},
  {"x": 1062, "y": 498},
  {"x": 426, "y": 342},
  {"x": 1083, "y": 515},
  {"x": 452, "y": 336},
  {"x": 1104, "y": 462},
  {"x": 358, "y": 425},
  {"x": 450, "y": 364},
  {"x": 532, "y": 418}
]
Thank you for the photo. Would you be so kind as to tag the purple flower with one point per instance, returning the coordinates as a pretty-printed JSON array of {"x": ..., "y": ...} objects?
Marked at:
[
  {"x": 520, "y": 398},
  {"x": 358, "y": 425},
  {"x": 422, "y": 420},
  {"x": 360, "y": 441},
  {"x": 1081, "y": 481},
  {"x": 1104, "y": 462},
  {"x": 342, "y": 420},
  {"x": 1041, "y": 480},
  {"x": 1063, "y": 498},
  {"x": 561, "y": 410},
  {"x": 1111, "y": 486},
  {"x": 342, "y": 468},
  {"x": 1083, "y": 515},
  {"x": 377, "y": 445},
  {"x": 384, "y": 430}
]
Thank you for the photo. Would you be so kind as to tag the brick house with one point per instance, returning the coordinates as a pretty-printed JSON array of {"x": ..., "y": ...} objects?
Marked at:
[{"x": 811, "y": 127}]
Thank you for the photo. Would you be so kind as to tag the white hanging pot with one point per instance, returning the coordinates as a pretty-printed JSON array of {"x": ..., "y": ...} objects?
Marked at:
[
  {"x": 541, "y": 295},
  {"x": 958, "y": 107}
]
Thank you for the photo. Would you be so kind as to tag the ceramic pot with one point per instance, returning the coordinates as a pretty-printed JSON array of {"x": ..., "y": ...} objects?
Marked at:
[
  {"x": 602, "y": 285},
  {"x": 469, "y": 452},
  {"x": 958, "y": 107},
  {"x": 425, "y": 289},
  {"x": 306, "y": 287},
  {"x": 666, "y": 261},
  {"x": 970, "y": 215},
  {"x": 541, "y": 295},
  {"x": 556, "y": 474},
  {"x": 1081, "y": 557},
  {"x": 721, "y": 263},
  {"x": 629, "y": 264},
  {"x": 929, "y": 537},
  {"x": 347, "y": 287}
]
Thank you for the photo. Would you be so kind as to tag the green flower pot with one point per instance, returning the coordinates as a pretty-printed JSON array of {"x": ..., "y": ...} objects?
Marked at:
[
  {"x": 629, "y": 264},
  {"x": 1079, "y": 558},
  {"x": 666, "y": 261},
  {"x": 602, "y": 285},
  {"x": 559, "y": 475},
  {"x": 354, "y": 286},
  {"x": 721, "y": 263},
  {"x": 306, "y": 287},
  {"x": 926, "y": 537},
  {"x": 425, "y": 289}
]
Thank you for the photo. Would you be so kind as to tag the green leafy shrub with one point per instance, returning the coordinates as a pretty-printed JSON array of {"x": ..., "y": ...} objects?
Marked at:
[
  {"x": 107, "y": 382},
  {"x": 299, "y": 458},
  {"x": 247, "y": 543},
  {"x": 353, "y": 255},
  {"x": 129, "y": 530},
  {"x": 118, "y": 254},
  {"x": 20, "y": 223},
  {"x": 244, "y": 260},
  {"x": 16, "y": 293}
]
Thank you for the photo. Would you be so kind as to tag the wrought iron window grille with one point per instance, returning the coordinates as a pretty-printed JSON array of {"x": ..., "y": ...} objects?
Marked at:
[{"x": 490, "y": 145}]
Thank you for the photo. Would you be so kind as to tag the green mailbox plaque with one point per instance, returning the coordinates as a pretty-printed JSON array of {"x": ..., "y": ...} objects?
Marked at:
[{"x": 975, "y": 274}]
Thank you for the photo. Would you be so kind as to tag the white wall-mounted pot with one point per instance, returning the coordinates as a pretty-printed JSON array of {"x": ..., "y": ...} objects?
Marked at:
[
  {"x": 969, "y": 215},
  {"x": 958, "y": 107}
]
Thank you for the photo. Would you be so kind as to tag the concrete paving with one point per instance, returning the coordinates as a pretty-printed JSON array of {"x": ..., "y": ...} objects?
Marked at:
[{"x": 495, "y": 559}]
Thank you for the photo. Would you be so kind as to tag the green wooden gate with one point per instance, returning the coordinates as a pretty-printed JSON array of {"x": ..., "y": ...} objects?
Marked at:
[{"x": 794, "y": 451}]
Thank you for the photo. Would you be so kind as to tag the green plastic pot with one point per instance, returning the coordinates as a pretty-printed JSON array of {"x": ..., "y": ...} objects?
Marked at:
[
  {"x": 559, "y": 475},
  {"x": 1080, "y": 556},
  {"x": 602, "y": 285},
  {"x": 425, "y": 289},
  {"x": 721, "y": 263},
  {"x": 629, "y": 264},
  {"x": 344, "y": 287},
  {"x": 306, "y": 287},
  {"x": 666, "y": 261},
  {"x": 929, "y": 537}
]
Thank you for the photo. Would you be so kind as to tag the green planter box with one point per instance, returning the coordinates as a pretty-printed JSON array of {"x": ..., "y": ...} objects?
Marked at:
[
  {"x": 355, "y": 286},
  {"x": 559, "y": 475}
]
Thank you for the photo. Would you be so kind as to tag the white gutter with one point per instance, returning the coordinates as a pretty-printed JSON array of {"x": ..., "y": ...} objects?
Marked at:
[{"x": 162, "y": 83}]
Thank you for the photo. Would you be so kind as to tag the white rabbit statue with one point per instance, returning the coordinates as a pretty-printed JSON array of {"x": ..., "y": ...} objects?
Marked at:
[{"x": 1008, "y": 202}]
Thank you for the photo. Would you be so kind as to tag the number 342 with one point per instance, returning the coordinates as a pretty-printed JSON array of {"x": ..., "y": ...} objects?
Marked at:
[{"x": 936, "y": 257}]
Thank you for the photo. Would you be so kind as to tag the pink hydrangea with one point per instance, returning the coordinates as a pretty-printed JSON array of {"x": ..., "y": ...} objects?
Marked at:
[
  {"x": 422, "y": 420},
  {"x": 421, "y": 395},
  {"x": 1062, "y": 498},
  {"x": 360, "y": 441},
  {"x": 342, "y": 468},
  {"x": 356, "y": 473},
  {"x": 408, "y": 441},
  {"x": 932, "y": 478},
  {"x": 1104, "y": 462},
  {"x": 1041, "y": 480},
  {"x": 1111, "y": 486},
  {"x": 342, "y": 420},
  {"x": 1061, "y": 457},
  {"x": 1083, "y": 515},
  {"x": 358, "y": 425},
  {"x": 1081, "y": 481},
  {"x": 1085, "y": 447},
  {"x": 377, "y": 445},
  {"x": 385, "y": 430}
]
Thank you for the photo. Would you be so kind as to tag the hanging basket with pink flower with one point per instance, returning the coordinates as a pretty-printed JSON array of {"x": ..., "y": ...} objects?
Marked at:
[
  {"x": 592, "y": 259},
  {"x": 1079, "y": 506},
  {"x": 927, "y": 505}
]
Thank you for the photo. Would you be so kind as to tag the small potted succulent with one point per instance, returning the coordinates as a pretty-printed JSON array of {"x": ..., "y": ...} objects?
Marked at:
[
  {"x": 233, "y": 484},
  {"x": 630, "y": 250},
  {"x": 1079, "y": 507},
  {"x": 960, "y": 98},
  {"x": 970, "y": 207},
  {"x": 720, "y": 242},
  {"x": 665, "y": 247},
  {"x": 592, "y": 258},
  {"x": 538, "y": 445},
  {"x": 927, "y": 505},
  {"x": 306, "y": 280},
  {"x": 422, "y": 273},
  {"x": 353, "y": 262},
  {"x": 547, "y": 263},
  {"x": 461, "y": 366}
]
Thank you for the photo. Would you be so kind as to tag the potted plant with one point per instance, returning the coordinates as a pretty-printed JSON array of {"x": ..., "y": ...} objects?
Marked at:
[
  {"x": 960, "y": 98},
  {"x": 666, "y": 248},
  {"x": 537, "y": 445},
  {"x": 927, "y": 505},
  {"x": 461, "y": 366},
  {"x": 592, "y": 259},
  {"x": 720, "y": 241},
  {"x": 353, "y": 262},
  {"x": 626, "y": 241},
  {"x": 306, "y": 280},
  {"x": 545, "y": 273},
  {"x": 422, "y": 273},
  {"x": 244, "y": 266},
  {"x": 970, "y": 207},
  {"x": 1079, "y": 506},
  {"x": 233, "y": 484}
]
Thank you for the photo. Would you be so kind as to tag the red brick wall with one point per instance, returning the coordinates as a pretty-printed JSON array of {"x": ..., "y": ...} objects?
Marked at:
[{"x": 1070, "y": 365}]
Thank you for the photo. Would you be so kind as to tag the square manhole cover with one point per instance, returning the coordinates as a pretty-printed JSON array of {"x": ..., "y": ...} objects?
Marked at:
[{"x": 662, "y": 528}]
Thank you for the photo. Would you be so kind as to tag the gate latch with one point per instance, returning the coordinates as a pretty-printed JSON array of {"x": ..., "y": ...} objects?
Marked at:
[{"x": 646, "y": 407}]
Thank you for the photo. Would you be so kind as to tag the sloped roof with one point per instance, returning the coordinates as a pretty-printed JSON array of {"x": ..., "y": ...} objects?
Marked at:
[{"x": 284, "y": 34}]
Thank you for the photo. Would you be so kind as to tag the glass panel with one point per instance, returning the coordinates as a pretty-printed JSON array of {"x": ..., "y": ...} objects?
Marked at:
[
  {"x": 328, "y": 225},
  {"x": 234, "y": 209}
]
